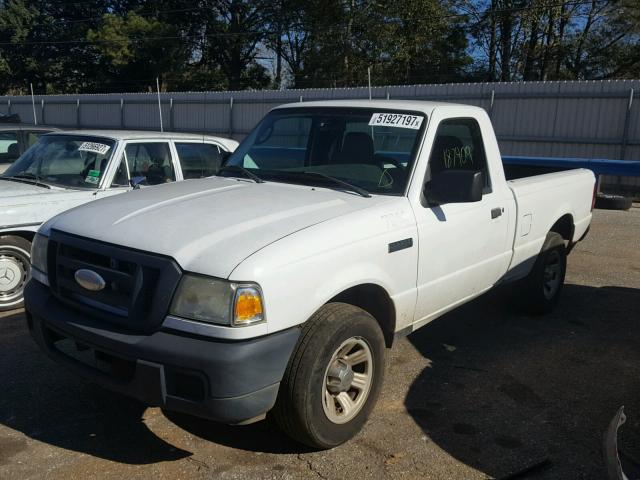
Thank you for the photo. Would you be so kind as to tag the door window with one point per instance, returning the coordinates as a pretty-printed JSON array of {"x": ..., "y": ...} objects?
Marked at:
[
  {"x": 121, "y": 178},
  {"x": 151, "y": 160},
  {"x": 9, "y": 147},
  {"x": 458, "y": 146},
  {"x": 198, "y": 159}
]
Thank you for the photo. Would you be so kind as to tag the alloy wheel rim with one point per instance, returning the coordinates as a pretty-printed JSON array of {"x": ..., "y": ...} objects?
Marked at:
[
  {"x": 347, "y": 380},
  {"x": 552, "y": 275}
]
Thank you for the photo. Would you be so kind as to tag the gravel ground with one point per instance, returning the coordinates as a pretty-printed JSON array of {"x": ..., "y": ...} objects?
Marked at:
[{"x": 482, "y": 392}]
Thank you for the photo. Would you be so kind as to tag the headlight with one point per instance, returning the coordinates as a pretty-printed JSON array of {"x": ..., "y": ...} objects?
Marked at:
[
  {"x": 39, "y": 248},
  {"x": 211, "y": 300}
]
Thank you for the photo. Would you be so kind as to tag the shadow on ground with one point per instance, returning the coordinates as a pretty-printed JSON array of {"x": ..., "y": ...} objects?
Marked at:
[
  {"x": 504, "y": 392},
  {"x": 46, "y": 403},
  {"x": 501, "y": 392}
]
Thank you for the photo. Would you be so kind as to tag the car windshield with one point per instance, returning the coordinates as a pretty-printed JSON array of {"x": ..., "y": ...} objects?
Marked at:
[
  {"x": 70, "y": 161},
  {"x": 372, "y": 149}
]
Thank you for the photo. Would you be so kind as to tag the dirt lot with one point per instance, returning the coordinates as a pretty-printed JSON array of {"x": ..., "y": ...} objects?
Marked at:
[{"x": 480, "y": 393}]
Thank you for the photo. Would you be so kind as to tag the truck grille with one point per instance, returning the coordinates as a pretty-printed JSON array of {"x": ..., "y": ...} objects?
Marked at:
[{"x": 138, "y": 286}]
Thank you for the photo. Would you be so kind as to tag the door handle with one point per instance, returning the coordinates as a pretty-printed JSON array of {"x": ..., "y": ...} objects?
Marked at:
[{"x": 496, "y": 212}]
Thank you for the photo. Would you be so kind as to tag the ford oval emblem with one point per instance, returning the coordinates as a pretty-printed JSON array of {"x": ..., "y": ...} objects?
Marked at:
[{"x": 89, "y": 280}]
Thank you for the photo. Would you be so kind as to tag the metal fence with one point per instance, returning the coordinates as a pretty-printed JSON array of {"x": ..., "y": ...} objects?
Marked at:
[{"x": 590, "y": 119}]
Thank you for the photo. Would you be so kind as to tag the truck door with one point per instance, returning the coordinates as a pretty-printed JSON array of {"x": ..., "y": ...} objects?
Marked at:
[{"x": 463, "y": 247}]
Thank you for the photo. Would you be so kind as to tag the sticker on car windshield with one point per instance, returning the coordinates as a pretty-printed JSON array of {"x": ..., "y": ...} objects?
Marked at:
[
  {"x": 94, "y": 147},
  {"x": 93, "y": 177},
  {"x": 400, "y": 120}
]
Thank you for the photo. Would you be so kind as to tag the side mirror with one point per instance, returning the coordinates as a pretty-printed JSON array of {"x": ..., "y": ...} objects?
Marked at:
[
  {"x": 136, "y": 181},
  {"x": 454, "y": 186}
]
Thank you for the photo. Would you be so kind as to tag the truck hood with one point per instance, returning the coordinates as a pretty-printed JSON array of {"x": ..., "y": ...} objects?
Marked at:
[{"x": 208, "y": 226}]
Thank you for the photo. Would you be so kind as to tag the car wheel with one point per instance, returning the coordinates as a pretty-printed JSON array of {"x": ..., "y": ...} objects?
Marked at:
[
  {"x": 539, "y": 292},
  {"x": 14, "y": 270},
  {"x": 612, "y": 202},
  {"x": 333, "y": 378}
]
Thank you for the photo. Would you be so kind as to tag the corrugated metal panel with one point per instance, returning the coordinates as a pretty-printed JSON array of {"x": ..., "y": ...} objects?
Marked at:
[{"x": 567, "y": 119}]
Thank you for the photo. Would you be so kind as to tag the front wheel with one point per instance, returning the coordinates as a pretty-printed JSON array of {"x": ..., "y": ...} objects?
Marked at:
[
  {"x": 334, "y": 377},
  {"x": 14, "y": 270}
]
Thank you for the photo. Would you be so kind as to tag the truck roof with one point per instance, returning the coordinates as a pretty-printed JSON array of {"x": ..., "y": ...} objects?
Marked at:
[
  {"x": 414, "y": 105},
  {"x": 143, "y": 134}
]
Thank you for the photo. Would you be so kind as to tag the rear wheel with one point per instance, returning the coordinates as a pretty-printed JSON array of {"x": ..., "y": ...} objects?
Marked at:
[
  {"x": 539, "y": 292},
  {"x": 14, "y": 270},
  {"x": 334, "y": 377}
]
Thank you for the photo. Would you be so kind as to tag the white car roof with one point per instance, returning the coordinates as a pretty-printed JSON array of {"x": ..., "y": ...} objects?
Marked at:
[
  {"x": 414, "y": 105},
  {"x": 150, "y": 135}
]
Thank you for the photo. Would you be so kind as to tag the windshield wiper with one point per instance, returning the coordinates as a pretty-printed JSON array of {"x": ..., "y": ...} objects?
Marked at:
[
  {"x": 26, "y": 178},
  {"x": 337, "y": 181},
  {"x": 238, "y": 168}
]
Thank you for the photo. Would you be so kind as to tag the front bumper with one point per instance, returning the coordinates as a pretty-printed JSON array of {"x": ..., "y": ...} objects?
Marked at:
[{"x": 226, "y": 381}]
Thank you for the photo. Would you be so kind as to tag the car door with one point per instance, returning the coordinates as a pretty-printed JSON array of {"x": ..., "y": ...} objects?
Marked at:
[
  {"x": 198, "y": 159},
  {"x": 463, "y": 247},
  {"x": 152, "y": 160}
]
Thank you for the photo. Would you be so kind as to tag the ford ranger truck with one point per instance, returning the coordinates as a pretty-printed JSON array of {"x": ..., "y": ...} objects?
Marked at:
[
  {"x": 64, "y": 170},
  {"x": 279, "y": 284}
]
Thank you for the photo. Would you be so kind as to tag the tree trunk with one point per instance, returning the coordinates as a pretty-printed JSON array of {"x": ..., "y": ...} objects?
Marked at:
[
  {"x": 506, "y": 30},
  {"x": 530, "y": 53},
  {"x": 492, "y": 42}
]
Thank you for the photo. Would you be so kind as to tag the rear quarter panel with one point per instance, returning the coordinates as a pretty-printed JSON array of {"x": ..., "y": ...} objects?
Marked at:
[{"x": 540, "y": 202}]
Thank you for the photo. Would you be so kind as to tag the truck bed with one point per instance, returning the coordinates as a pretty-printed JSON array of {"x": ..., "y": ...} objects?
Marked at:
[{"x": 542, "y": 198}]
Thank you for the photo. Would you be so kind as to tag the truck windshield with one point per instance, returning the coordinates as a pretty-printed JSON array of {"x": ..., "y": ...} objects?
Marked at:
[
  {"x": 70, "y": 161},
  {"x": 372, "y": 149}
]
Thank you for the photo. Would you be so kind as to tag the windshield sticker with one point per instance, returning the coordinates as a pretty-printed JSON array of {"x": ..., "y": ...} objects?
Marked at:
[
  {"x": 93, "y": 173},
  {"x": 92, "y": 180},
  {"x": 399, "y": 120},
  {"x": 100, "y": 148}
]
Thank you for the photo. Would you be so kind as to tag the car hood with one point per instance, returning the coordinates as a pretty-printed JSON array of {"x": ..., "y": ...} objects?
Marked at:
[
  {"x": 28, "y": 204},
  {"x": 208, "y": 226},
  {"x": 10, "y": 188}
]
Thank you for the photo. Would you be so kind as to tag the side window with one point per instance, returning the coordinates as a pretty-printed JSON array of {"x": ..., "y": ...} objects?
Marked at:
[
  {"x": 32, "y": 137},
  {"x": 198, "y": 159},
  {"x": 151, "y": 160},
  {"x": 458, "y": 145},
  {"x": 9, "y": 147}
]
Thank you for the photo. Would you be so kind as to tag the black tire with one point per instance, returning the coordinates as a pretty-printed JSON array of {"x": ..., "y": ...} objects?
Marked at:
[
  {"x": 15, "y": 254},
  {"x": 539, "y": 292},
  {"x": 302, "y": 402},
  {"x": 613, "y": 202}
]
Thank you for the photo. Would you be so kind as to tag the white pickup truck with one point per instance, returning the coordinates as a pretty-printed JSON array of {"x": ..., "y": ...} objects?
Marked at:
[
  {"x": 66, "y": 169},
  {"x": 279, "y": 284}
]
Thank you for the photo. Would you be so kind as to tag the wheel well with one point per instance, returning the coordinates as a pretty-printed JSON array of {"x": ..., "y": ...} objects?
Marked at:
[
  {"x": 564, "y": 227},
  {"x": 375, "y": 300},
  {"x": 26, "y": 234}
]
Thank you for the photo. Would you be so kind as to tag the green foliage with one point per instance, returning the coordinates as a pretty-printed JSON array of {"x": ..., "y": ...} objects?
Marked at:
[{"x": 123, "y": 45}]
